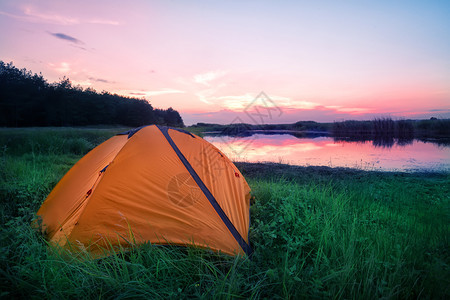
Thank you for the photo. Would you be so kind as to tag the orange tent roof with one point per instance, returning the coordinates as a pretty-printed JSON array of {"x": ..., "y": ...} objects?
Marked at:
[{"x": 152, "y": 184}]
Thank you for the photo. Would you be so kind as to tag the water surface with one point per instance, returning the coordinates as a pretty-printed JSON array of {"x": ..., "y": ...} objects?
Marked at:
[{"x": 391, "y": 155}]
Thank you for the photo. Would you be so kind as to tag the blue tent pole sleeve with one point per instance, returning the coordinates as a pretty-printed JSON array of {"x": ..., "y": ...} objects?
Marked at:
[{"x": 246, "y": 247}]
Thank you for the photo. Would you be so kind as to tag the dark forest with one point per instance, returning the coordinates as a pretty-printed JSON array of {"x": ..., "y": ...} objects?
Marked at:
[{"x": 27, "y": 99}]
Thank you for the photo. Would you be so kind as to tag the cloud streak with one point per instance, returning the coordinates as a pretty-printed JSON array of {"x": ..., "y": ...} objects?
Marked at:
[
  {"x": 206, "y": 78},
  {"x": 63, "y": 67},
  {"x": 65, "y": 37},
  {"x": 145, "y": 93},
  {"x": 163, "y": 92},
  {"x": 100, "y": 80},
  {"x": 30, "y": 14}
]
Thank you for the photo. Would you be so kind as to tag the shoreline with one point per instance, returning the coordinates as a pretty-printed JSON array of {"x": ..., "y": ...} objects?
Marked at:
[
  {"x": 265, "y": 170},
  {"x": 273, "y": 131}
]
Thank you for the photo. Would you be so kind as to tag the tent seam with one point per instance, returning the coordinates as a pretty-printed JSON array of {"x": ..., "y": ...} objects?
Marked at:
[
  {"x": 212, "y": 200},
  {"x": 95, "y": 188}
]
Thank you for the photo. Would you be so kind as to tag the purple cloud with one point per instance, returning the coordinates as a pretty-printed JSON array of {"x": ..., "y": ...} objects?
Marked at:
[{"x": 66, "y": 37}]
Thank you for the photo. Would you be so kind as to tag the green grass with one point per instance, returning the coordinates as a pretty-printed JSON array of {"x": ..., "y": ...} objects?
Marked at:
[{"x": 317, "y": 232}]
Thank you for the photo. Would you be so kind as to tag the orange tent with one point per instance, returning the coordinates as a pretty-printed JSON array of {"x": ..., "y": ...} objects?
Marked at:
[{"x": 151, "y": 184}]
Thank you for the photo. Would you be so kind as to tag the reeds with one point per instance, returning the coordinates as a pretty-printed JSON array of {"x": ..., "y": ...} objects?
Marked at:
[
  {"x": 388, "y": 128},
  {"x": 375, "y": 128}
]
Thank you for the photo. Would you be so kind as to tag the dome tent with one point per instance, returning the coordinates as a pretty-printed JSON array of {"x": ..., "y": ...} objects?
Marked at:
[{"x": 152, "y": 184}]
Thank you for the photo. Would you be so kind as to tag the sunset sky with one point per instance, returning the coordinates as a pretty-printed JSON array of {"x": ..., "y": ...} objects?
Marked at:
[{"x": 314, "y": 60}]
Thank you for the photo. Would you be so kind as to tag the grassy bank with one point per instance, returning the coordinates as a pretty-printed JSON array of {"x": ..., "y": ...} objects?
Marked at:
[
  {"x": 317, "y": 232},
  {"x": 240, "y": 128}
]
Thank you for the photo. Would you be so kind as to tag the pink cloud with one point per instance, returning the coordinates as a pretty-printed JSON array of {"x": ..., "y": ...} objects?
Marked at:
[
  {"x": 63, "y": 67},
  {"x": 33, "y": 15}
]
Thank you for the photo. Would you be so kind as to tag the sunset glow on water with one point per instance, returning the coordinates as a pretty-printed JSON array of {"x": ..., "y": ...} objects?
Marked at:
[{"x": 325, "y": 151}]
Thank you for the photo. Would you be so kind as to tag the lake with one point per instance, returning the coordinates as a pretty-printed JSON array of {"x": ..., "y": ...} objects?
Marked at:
[{"x": 384, "y": 155}]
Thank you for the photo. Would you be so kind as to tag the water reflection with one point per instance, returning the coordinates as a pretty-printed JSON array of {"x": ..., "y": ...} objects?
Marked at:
[
  {"x": 378, "y": 141},
  {"x": 376, "y": 154}
]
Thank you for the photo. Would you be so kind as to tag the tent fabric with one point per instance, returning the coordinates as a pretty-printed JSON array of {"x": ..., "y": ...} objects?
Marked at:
[{"x": 151, "y": 184}]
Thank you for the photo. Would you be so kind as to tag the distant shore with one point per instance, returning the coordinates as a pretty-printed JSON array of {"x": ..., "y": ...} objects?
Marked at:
[{"x": 379, "y": 127}]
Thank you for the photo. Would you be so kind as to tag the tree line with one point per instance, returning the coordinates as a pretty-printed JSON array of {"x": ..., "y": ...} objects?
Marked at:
[{"x": 27, "y": 99}]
